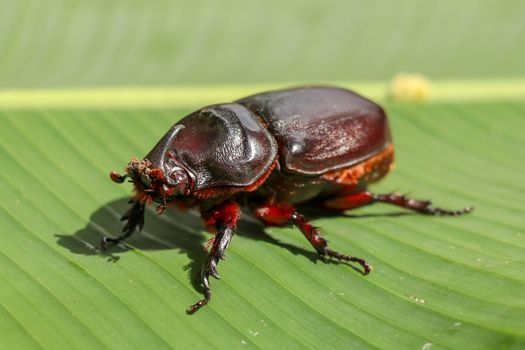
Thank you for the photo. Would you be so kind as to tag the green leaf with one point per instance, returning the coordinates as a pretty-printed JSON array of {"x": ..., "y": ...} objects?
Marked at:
[{"x": 438, "y": 282}]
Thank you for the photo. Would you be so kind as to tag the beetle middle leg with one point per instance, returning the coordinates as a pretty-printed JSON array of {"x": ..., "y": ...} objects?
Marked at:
[
  {"x": 134, "y": 217},
  {"x": 224, "y": 219},
  {"x": 282, "y": 214},
  {"x": 364, "y": 198}
]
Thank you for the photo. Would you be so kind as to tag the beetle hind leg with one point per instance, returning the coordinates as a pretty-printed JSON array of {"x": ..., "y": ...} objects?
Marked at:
[
  {"x": 282, "y": 214},
  {"x": 135, "y": 219},
  {"x": 420, "y": 206},
  {"x": 364, "y": 198}
]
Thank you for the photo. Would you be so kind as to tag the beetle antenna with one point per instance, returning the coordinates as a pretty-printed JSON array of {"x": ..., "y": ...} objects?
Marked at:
[{"x": 116, "y": 177}]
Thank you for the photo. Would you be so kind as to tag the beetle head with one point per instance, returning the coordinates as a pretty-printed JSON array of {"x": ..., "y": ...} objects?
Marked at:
[
  {"x": 154, "y": 184},
  {"x": 159, "y": 177}
]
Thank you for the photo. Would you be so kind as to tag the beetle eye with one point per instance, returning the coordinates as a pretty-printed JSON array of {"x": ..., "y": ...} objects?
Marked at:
[
  {"x": 145, "y": 179},
  {"x": 131, "y": 173},
  {"x": 177, "y": 175},
  {"x": 178, "y": 179}
]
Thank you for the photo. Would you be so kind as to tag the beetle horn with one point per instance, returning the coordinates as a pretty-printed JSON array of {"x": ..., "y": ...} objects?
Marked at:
[{"x": 158, "y": 153}]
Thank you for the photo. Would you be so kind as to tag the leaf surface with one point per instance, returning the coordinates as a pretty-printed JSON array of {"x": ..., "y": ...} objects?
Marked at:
[{"x": 438, "y": 282}]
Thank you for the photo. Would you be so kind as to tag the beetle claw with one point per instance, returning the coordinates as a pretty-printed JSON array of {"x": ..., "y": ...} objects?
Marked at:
[{"x": 195, "y": 307}]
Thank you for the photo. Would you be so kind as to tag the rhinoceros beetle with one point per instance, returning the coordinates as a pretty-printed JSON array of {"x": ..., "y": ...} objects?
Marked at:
[{"x": 316, "y": 146}]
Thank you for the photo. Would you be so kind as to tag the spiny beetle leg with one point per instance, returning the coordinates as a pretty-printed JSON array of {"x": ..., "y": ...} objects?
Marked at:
[
  {"x": 420, "y": 206},
  {"x": 134, "y": 217},
  {"x": 360, "y": 199},
  {"x": 222, "y": 240},
  {"x": 282, "y": 214},
  {"x": 224, "y": 219},
  {"x": 313, "y": 235}
]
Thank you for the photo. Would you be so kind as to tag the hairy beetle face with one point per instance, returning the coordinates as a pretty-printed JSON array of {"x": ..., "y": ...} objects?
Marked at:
[{"x": 153, "y": 185}]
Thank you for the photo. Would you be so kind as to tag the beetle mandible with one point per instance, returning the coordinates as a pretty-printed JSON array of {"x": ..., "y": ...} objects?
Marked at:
[{"x": 313, "y": 146}]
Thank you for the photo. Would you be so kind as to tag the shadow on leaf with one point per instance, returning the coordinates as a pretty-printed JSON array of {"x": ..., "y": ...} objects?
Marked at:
[{"x": 174, "y": 229}]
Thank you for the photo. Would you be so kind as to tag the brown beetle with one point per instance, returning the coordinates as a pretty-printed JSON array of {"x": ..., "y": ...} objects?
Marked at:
[{"x": 316, "y": 146}]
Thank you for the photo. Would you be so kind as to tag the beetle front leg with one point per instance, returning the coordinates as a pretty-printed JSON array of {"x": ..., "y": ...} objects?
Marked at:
[
  {"x": 282, "y": 214},
  {"x": 134, "y": 217},
  {"x": 224, "y": 218}
]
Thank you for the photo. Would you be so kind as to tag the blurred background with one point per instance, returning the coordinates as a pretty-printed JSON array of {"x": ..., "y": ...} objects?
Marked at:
[{"x": 62, "y": 43}]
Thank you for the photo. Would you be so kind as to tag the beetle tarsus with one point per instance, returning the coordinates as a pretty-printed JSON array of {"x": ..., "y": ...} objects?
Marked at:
[
  {"x": 445, "y": 212},
  {"x": 195, "y": 307},
  {"x": 342, "y": 257},
  {"x": 135, "y": 219},
  {"x": 222, "y": 240}
]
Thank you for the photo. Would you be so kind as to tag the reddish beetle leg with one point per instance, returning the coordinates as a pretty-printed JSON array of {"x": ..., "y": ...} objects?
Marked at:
[
  {"x": 420, "y": 206},
  {"x": 364, "y": 198},
  {"x": 283, "y": 213}
]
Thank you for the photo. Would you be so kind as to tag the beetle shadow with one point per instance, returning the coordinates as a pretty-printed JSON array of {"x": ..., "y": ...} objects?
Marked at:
[{"x": 179, "y": 230}]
